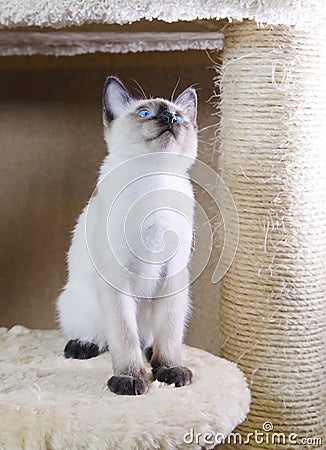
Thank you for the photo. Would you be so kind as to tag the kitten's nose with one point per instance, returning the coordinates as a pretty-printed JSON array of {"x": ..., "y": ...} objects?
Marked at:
[{"x": 167, "y": 118}]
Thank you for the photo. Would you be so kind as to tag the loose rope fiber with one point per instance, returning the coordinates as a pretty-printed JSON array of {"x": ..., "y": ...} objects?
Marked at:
[{"x": 273, "y": 306}]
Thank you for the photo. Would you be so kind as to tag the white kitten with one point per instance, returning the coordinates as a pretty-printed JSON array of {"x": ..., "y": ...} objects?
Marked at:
[{"x": 127, "y": 287}]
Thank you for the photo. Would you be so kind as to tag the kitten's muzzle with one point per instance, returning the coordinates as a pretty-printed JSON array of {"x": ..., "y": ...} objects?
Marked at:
[{"x": 167, "y": 118}]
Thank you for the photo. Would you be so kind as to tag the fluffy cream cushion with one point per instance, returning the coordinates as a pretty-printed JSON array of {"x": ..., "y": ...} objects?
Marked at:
[{"x": 49, "y": 402}]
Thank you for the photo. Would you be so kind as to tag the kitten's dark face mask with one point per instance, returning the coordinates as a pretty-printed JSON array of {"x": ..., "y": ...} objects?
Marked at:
[
  {"x": 167, "y": 121},
  {"x": 150, "y": 125},
  {"x": 158, "y": 118}
]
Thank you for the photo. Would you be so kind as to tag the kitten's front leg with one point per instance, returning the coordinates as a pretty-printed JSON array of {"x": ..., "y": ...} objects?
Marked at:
[
  {"x": 170, "y": 315},
  {"x": 129, "y": 372}
]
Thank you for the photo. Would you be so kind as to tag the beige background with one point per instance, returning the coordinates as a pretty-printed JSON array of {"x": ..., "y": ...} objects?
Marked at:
[{"x": 51, "y": 147}]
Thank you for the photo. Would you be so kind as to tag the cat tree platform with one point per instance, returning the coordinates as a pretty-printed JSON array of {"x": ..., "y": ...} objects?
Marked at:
[{"x": 49, "y": 402}]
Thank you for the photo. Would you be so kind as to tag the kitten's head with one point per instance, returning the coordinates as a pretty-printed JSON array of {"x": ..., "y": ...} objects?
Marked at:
[{"x": 133, "y": 127}]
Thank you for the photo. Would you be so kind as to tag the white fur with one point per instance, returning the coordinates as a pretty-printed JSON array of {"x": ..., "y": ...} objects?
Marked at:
[{"x": 92, "y": 310}]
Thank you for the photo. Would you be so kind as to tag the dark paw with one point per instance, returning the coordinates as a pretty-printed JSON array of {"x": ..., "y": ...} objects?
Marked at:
[
  {"x": 77, "y": 350},
  {"x": 179, "y": 376},
  {"x": 127, "y": 385},
  {"x": 148, "y": 352}
]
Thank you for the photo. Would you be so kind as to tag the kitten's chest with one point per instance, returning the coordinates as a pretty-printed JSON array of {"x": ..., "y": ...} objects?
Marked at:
[
  {"x": 161, "y": 202},
  {"x": 160, "y": 226},
  {"x": 150, "y": 213}
]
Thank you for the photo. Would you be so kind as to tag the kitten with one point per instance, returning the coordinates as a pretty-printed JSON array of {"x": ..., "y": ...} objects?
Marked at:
[{"x": 146, "y": 311}]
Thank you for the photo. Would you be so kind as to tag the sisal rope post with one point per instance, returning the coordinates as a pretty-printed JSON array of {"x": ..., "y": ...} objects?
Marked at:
[{"x": 273, "y": 305}]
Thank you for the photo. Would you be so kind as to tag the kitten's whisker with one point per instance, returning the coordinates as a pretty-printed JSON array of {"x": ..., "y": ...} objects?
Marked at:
[
  {"x": 175, "y": 88},
  {"x": 210, "y": 57},
  {"x": 141, "y": 90},
  {"x": 207, "y": 127}
]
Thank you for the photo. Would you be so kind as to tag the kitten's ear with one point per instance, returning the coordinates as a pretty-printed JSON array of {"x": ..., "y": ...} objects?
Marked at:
[
  {"x": 187, "y": 101},
  {"x": 115, "y": 98}
]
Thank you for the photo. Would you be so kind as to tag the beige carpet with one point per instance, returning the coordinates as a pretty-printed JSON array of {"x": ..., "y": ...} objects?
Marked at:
[{"x": 49, "y": 402}]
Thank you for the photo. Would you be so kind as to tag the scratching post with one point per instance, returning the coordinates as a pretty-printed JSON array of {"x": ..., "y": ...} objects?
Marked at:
[{"x": 273, "y": 116}]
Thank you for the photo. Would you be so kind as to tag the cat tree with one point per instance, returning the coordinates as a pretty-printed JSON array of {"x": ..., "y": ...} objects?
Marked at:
[{"x": 272, "y": 134}]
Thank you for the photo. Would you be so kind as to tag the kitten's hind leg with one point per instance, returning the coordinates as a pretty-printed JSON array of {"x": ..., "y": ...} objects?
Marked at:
[
  {"x": 81, "y": 321},
  {"x": 81, "y": 350}
]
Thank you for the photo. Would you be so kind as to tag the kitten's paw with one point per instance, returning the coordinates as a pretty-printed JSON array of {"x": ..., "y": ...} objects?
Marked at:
[
  {"x": 77, "y": 350},
  {"x": 127, "y": 385},
  {"x": 179, "y": 376}
]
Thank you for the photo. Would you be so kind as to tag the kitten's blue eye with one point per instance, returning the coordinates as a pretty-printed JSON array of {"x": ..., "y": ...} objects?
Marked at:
[
  {"x": 144, "y": 113},
  {"x": 179, "y": 118}
]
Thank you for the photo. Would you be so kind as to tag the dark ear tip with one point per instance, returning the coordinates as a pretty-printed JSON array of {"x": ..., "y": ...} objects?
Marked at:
[
  {"x": 111, "y": 79},
  {"x": 191, "y": 90},
  {"x": 114, "y": 93}
]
